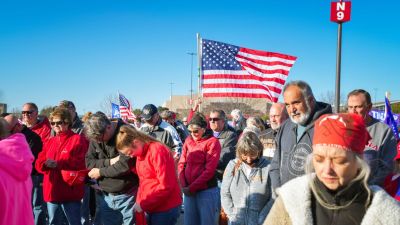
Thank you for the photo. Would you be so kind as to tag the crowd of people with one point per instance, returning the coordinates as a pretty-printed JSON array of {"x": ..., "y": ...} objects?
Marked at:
[{"x": 305, "y": 165}]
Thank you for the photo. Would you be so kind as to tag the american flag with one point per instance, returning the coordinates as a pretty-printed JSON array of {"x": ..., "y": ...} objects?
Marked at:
[
  {"x": 125, "y": 108},
  {"x": 232, "y": 71}
]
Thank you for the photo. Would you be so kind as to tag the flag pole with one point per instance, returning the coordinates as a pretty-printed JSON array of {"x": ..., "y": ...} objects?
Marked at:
[{"x": 199, "y": 48}]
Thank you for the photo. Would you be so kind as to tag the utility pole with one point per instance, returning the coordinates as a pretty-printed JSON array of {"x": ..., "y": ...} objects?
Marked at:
[
  {"x": 191, "y": 75},
  {"x": 340, "y": 13}
]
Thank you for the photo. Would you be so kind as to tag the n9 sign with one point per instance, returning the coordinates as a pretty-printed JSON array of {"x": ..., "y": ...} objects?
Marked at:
[{"x": 340, "y": 11}]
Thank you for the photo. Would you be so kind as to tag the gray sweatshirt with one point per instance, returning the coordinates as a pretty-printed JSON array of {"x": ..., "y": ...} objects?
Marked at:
[
  {"x": 380, "y": 151},
  {"x": 246, "y": 199}
]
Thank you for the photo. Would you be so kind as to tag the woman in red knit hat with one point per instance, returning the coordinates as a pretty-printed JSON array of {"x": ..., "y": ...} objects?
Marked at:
[{"x": 335, "y": 189}]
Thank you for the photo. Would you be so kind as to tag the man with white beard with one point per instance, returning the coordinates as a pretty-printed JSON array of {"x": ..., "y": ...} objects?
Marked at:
[
  {"x": 277, "y": 115},
  {"x": 294, "y": 139}
]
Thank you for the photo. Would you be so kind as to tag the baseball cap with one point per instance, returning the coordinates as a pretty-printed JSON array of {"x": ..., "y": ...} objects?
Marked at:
[{"x": 148, "y": 111}]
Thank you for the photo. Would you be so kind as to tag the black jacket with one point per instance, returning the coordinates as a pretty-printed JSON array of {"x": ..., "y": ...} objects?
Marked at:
[
  {"x": 35, "y": 144},
  {"x": 355, "y": 195},
  {"x": 117, "y": 178},
  {"x": 228, "y": 140}
]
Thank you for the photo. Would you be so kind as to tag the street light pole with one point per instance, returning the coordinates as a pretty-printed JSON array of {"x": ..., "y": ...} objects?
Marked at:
[
  {"x": 171, "y": 83},
  {"x": 191, "y": 75}
]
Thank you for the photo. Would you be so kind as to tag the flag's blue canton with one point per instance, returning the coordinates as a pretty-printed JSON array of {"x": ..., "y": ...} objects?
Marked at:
[
  {"x": 219, "y": 56},
  {"x": 123, "y": 101}
]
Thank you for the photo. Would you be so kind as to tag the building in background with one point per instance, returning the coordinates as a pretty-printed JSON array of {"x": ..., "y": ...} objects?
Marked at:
[{"x": 3, "y": 108}]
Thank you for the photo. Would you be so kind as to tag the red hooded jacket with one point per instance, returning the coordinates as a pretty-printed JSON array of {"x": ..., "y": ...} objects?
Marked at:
[
  {"x": 198, "y": 162},
  {"x": 43, "y": 129},
  {"x": 159, "y": 189},
  {"x": 68, "y": 150}
]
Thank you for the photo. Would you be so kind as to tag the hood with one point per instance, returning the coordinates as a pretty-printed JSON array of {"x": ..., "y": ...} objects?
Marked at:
[
  {"x": 320, "y": 109},
  {"x": 16, "y": 157}
]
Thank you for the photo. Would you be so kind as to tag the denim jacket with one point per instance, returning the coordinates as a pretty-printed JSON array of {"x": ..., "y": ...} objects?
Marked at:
[{"x": 246, "y": 201}]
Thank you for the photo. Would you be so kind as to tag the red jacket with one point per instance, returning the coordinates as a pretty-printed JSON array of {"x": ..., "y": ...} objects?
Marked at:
[
  {"x": 43, "y": 129},
  {"x": 159, "y": 189},
  {"x": 392, "y": 187},
  {"x": 198, "y": 162},
  {"x": 69, "y": 150}
]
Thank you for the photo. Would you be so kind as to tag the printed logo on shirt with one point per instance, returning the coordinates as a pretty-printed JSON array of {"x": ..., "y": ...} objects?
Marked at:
[
  {"x": 371, "y": 145},
  {"x": 297, "y": 158}
]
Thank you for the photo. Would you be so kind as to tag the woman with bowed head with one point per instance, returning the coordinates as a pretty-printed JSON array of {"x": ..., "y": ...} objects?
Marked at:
[
  {"x": 15, "y": 184},
  {"x": 246, "y": 187},
  {"x": 196, "y": 168},
  {"x": 62, "y": 161},
  {"x": 159, "y": 194},
  {"x": 334, "y": 189}
]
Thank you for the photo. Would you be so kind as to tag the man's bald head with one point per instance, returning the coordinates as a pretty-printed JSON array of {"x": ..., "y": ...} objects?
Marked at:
[
  {"x": 13, "y": 123},
  {"x": 277, "y": 115}
]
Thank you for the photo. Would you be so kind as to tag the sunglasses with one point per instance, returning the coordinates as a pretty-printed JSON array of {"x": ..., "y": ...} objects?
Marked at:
[
  {"x": 58, "y": 123},
  {"x": 194, "y": 131},
  {"x": 214, "y": 119},
  {"x": 28, "y": 112}
]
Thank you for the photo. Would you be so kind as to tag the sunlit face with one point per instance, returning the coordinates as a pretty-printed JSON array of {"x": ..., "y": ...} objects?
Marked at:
[
  {"x": 58, "y": 125},
  {"x": 249, "y": 159},
  {"x": 134, "y": 149},
  {"x": 29, "y": 114},
  {"x": 358, "y": 104},
  {"x": 196, "y": 132},
  {"x": 296, "y": 105},
  {"x": 275, "y": 117},
  {"x": 334, "y": 167},
  {"x": 216, "y": 123}
]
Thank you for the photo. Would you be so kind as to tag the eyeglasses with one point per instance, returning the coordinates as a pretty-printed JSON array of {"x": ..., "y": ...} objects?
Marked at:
[
  {"x": 58, "y": 123},
  {"x": 214, "y": 119},
  {"x": 28, "y": 112},
  {"x": 194, "y": 131}
]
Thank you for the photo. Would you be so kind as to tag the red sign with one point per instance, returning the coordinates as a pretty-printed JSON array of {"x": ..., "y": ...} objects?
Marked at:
[{"x": 340, "y": 11}]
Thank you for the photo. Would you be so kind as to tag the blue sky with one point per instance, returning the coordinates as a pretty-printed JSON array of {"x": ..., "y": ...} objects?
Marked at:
[{"x": 85, "y": 51}]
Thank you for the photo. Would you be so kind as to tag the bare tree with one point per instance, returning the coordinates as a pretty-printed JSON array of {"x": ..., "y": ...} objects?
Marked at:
[
  {"x": 105, "y": 105},
  {"x": 329, "y": 97}
]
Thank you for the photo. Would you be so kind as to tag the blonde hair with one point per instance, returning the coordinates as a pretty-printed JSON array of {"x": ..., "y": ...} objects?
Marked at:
[
  {"x": 127, "y": 134},
  {"x": 249, "y": 144},
  {"x": 255, "y": 122},
  {"x": 363, "y": 175},
  {"x": 63, "y": 114}
]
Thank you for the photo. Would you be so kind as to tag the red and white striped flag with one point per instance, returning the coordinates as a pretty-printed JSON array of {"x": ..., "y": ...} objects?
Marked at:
[
  {"x": 232, "y": 71},
  {"x": 125, "y": 108}
]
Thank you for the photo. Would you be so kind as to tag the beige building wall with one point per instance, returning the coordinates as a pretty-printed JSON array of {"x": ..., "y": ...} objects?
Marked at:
[{"x": 249, "y": 106}]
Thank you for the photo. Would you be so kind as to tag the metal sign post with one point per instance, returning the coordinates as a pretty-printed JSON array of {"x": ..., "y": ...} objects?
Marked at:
[{"x": 340, "y": 13}]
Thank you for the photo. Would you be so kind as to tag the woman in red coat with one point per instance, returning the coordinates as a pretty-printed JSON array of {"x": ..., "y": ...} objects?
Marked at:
[
  {"x": 197, "y": 174},
  {"x": 62, "y": 159},
  {"x": 159, "y": 194}
]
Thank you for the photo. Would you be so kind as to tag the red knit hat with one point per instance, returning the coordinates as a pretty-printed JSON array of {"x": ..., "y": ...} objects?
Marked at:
[{"x": 344, "y": 130}]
